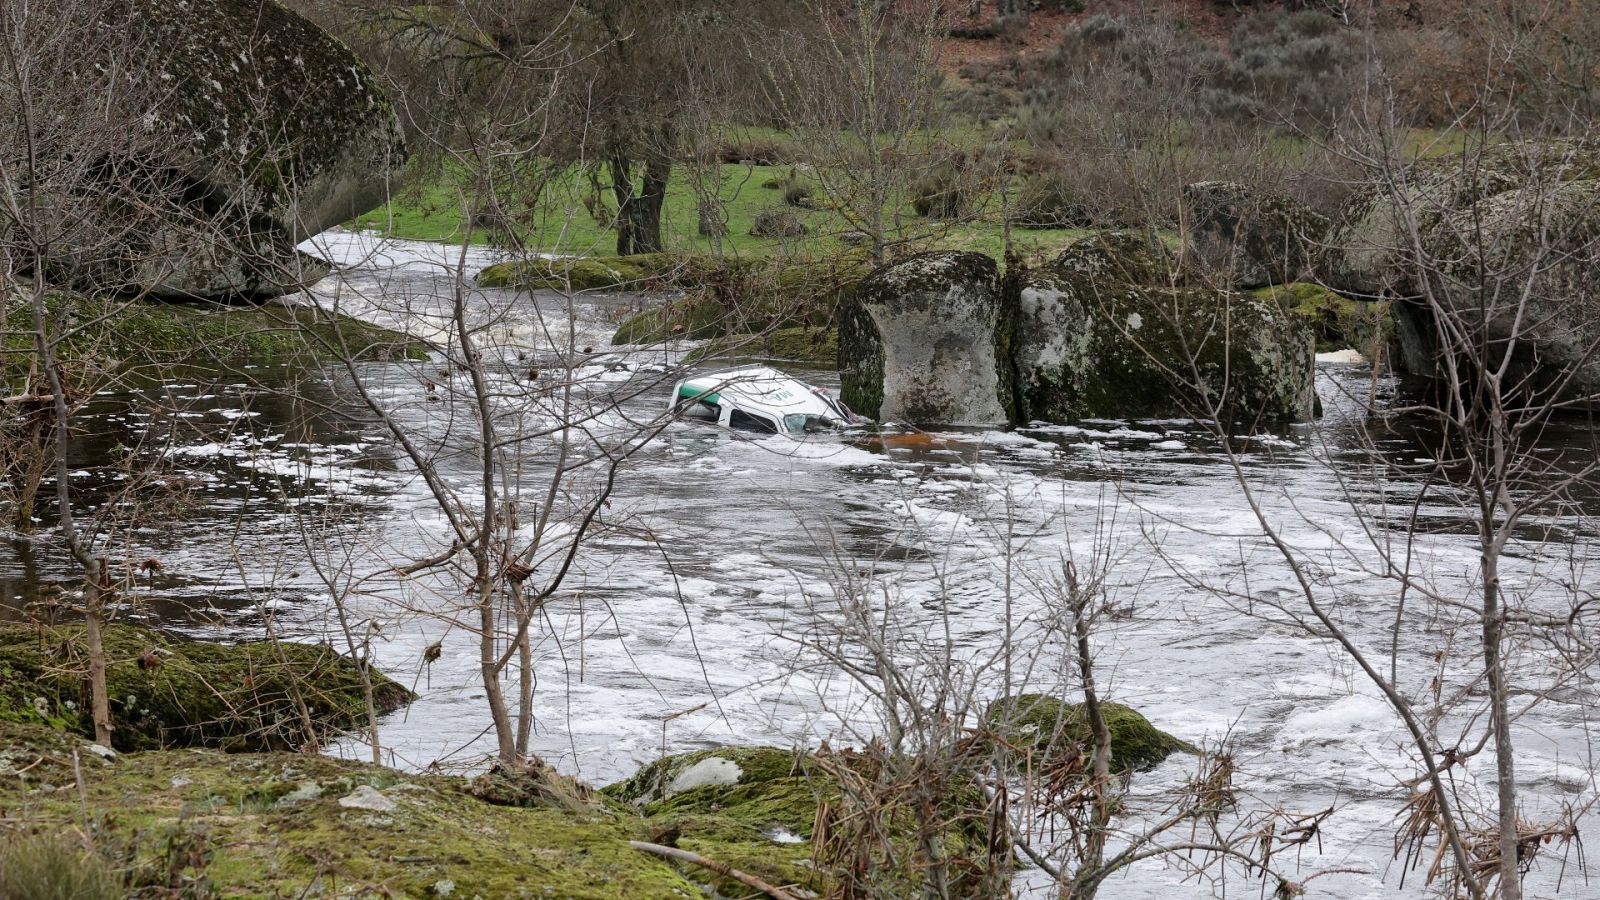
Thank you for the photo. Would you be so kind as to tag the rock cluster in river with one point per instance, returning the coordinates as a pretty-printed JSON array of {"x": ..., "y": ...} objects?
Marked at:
[
  {"x": 1502, "y": 241},
  {"x": 265, "y": 130},
  {"x": 1104, "y": 330}
]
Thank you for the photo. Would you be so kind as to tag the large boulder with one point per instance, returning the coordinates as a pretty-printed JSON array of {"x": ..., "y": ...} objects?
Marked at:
[
  {"x": 922, "y": 341},
  {"x": 1505, "y": 241},
  {"x": 265, "y": 131},
  {"x": 1241, "y": 237},
  {"x": 1102, "y": 332},
  {"x": 1372, "y": 247}
]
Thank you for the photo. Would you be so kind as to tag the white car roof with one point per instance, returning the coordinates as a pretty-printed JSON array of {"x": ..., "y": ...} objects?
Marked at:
[{"x": 756, "y": 389}]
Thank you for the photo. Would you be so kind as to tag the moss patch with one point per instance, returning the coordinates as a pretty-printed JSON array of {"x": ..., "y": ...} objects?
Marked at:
[
  {"x": 1049, "y": 725},
  {"x": 166, "y": 692},
  {"x": 758, "y": 809},
  {"x": 1336, "y": 321},
  {"x": 272, "y": 825}
]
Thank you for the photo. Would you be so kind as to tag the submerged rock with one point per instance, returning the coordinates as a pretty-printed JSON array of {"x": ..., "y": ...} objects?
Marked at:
[
  {"x": 267, "y": 131},
  {"x": 923, "y": 341},
  {"x": 1049, "y": 725}
]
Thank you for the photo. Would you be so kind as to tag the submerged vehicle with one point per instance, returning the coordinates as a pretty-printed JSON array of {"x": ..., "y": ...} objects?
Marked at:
[{"x": 760, "y": 398}]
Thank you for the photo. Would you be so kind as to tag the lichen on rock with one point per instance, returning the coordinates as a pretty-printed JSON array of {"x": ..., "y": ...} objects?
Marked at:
[{"x": 924, "y": 341}]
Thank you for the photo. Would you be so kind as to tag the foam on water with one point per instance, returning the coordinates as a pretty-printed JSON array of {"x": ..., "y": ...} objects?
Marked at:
[{"x": 688, "y": 627}]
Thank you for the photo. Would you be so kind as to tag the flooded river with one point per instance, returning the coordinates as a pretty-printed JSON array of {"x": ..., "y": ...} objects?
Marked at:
[{"x": 686, "y": 625}]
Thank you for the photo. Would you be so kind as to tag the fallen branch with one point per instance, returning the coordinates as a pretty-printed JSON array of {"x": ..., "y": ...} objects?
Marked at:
[{"x": 749, "y": 881}]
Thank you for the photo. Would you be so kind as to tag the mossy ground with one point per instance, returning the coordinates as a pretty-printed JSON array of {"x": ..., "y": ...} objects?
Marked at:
[
  {"x": 112, "y": 333},
  {"x": 171, "y": 693},
  {"x": 783, "y": 817},
  {"x": 1050, "y": 725},
  {"x": 271, "y": 825},
  {"x": 1337, "y": 321}
]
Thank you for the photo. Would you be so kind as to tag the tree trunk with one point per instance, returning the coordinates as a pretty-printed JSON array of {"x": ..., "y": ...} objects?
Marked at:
[
  {"x": 93, "y": 631},
  {"x": 1500, "y": 723},
  {"x": 639, "y": 212}
]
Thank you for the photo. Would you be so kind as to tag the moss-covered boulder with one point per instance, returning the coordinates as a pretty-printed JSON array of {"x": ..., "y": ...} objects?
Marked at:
[
  {"x": 1336, "y": 321},
  {"x": 299, "y": 825},
  {"x": 260, "y": 130},
  {"x": 1089, "y": 343},
  {"x": 169, "y": 692},
  {"x": 1242, "y": 237},
  {"x": 598, "y": 273},
  {"x": 815, "y": 346},
  {"x": 785, "y": 303},
  {"x": 925, "y": 341},
  {"x": 1125, "y": 257},
  {"x": 1047, "y": 725}
]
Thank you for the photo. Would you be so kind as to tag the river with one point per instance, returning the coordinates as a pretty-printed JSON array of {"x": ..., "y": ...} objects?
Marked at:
[{"x": 687, "y": 627}]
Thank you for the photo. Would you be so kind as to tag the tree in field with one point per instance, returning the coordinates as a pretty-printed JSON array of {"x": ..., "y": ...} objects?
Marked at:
[
  {"x": 622, "y": 78},
  {"x": 858, "y": 85}
]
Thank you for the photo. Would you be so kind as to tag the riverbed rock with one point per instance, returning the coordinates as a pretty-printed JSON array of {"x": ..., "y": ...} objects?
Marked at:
[
  {"x": 272, "y": 132},
  {"x": 1244, "y": 237},
  {"x": 1048, "y": 725},
  {"x": 169, "y": 692},
  {"x": 1102, "y": 333},
  {"x": 923, "y": 341},
  {"x": 1483, "y": 230}
]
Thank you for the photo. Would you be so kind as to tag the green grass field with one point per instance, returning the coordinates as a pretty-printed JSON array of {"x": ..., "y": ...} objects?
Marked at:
[{"x": 562, "y": 224}]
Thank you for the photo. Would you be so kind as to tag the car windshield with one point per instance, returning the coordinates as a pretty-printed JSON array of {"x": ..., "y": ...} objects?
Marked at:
[{"x": 795, "y": 423}]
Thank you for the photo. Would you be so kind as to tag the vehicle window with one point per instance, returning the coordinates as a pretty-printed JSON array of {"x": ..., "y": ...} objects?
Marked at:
[{"x": 740, "y": 419}]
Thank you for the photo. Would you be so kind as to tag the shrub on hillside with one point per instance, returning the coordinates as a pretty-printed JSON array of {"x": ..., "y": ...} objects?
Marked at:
[
  {"x": 940, "y": 194},
  {"x": 1049, "y": 201},
  {"x": 777, "y": 223}
]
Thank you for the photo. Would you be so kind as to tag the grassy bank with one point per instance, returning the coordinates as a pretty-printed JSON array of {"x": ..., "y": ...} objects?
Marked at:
[
  {"x": 563, "y": 224},
  {"x": 109, "y": 333}
]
